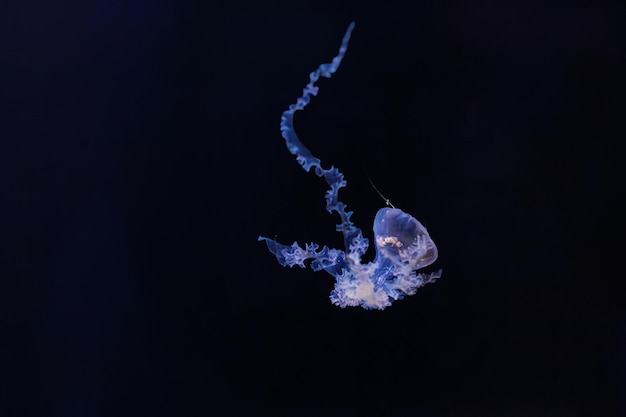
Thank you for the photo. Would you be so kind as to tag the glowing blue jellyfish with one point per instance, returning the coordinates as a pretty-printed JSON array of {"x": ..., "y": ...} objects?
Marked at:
[{"x": 403, "y": 245}]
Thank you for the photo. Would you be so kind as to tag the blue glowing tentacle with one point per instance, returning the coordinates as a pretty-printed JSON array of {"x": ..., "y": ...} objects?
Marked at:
[
  {"x": 353, "y": 237},
  {"x": 303, "y": 155}
]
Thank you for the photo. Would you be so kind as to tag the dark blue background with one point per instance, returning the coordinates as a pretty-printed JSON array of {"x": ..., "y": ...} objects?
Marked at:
[{"x": 140, "y": 158}]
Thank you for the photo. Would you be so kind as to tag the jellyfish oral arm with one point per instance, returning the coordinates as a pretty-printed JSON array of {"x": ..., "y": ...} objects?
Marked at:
[
  {"x": 295, "y": 146},
  {"x": 402, "y": 243}
]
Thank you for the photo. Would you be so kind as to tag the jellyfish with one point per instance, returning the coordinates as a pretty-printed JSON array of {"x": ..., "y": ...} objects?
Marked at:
[{"x": 403, "y": 245}]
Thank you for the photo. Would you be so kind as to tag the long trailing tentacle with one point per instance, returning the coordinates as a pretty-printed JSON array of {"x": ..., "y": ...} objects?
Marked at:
[
  {"x": 302, "y": 153},
  {"x": 333, "y": 176}
]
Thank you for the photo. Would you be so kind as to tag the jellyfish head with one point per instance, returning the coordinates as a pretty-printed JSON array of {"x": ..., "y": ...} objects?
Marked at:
[{"x": 402, "y": 239}]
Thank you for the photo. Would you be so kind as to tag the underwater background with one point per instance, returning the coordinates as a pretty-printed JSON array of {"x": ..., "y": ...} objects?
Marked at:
[{"x": 141, "y": 157}]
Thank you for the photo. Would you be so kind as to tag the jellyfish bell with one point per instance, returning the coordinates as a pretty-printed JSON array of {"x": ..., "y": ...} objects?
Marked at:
[{"x": 401, "y": 238}]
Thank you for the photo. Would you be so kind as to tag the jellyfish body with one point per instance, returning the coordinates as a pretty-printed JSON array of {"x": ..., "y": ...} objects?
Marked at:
[{"x": 402, "y": 243}]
